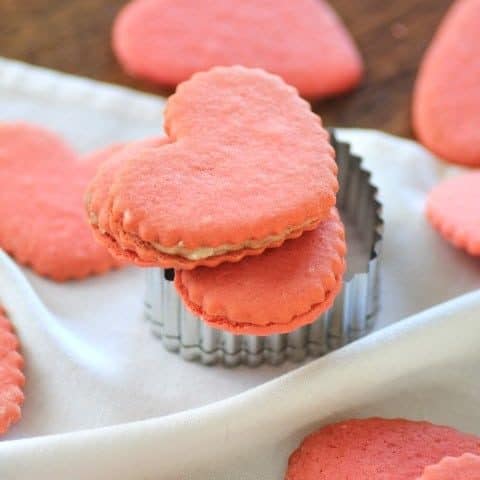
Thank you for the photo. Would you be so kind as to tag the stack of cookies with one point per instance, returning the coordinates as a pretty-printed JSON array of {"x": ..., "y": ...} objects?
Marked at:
[{"x": 238, "y": 197}]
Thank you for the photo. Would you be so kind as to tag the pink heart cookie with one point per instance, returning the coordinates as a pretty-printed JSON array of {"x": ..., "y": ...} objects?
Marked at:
[
  {"x": 446, "y": 102},
  {"x": 376, "y": 448},
  {"x": 283, "y": 289},
  {"x": 245, "y": 166},
  {"x": 453, "y": 209},
  {"x": 303, "y": 41},
  {"x": 42, "y": 222}
]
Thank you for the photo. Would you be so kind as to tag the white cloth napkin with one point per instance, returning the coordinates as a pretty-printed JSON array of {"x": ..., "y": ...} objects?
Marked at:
[{"x": 93, "y": 363}]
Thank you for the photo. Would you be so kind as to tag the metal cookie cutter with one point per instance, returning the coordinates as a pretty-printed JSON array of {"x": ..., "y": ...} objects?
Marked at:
[{"x": 350, "y": 317}]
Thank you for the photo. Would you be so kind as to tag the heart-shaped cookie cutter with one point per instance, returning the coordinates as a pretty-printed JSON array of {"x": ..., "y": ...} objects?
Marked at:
[{"x": 350, "y": 317}]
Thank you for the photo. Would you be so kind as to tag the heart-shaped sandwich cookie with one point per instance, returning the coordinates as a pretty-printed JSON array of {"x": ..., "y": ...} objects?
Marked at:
[
  {"x": 304, "y": 41},
  {"x": 42, "y": 221},
  {"x": 446, "y": 102},
  {"x": 11, "y": 376},
  {"x": 465, "y": 467},
  {"x": 277, "y": 292},
  {"x": 246, "y": 165},
  {"x": 376, "y": 448}
]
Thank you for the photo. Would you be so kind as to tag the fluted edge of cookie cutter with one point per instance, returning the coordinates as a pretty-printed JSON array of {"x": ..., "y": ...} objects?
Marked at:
[{"x": 350, "y": 317}]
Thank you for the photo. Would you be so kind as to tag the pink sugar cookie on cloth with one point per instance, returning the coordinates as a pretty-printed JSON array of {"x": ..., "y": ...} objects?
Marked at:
[
  {"x": 446, "y": 101},
  {"x": 277, "y": 292},
  {"x": 376, "y": 448},
  {"x": 465, "y": 467},
  {"x": 245, "y": 166},
  {"x": 11, "y": 376},
  {"x": 453, "y": 208},
  {"x": 42, "y": 222},
  {"x": 303, "y": 41}
]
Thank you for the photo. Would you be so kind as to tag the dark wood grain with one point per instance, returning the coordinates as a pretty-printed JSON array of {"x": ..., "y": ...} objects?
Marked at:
[{"x": 74, "y": 36}]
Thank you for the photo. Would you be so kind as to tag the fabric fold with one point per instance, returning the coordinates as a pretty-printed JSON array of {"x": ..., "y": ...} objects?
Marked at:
[{"x": 397, "y": 371}]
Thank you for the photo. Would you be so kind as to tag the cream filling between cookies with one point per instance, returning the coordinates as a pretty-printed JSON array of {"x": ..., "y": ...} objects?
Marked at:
[{"x": 206, "y": 252}]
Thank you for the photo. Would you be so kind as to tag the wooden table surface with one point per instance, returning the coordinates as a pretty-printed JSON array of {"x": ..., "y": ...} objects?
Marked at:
[{"x": 74, "y": 36}]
